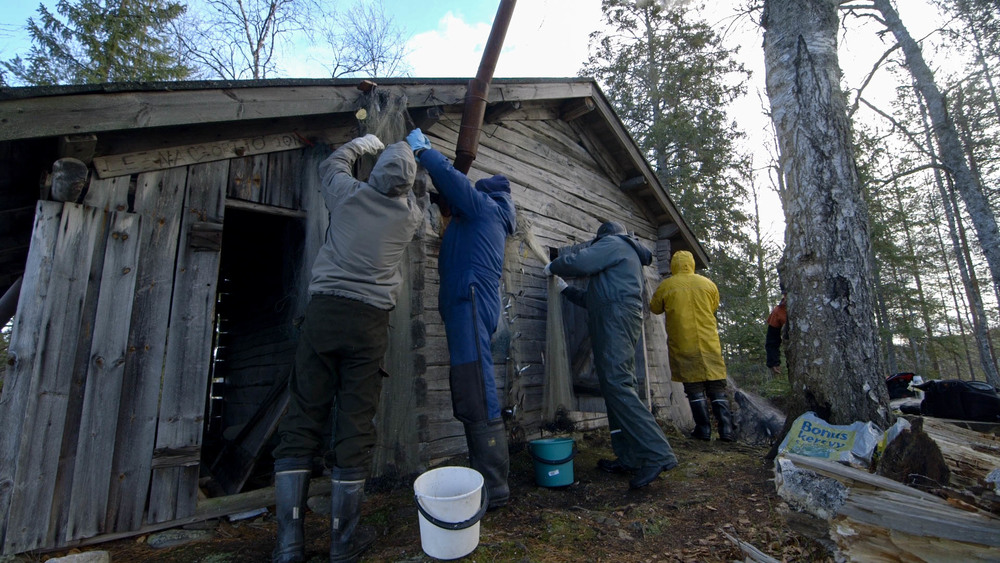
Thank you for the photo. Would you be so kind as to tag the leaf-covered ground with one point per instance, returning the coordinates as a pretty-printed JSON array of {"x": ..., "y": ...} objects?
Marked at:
[{"x": 685, "y": 515}]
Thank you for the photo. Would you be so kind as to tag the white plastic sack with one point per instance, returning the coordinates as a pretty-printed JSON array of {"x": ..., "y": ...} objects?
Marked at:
[{"x": 812, "y": 436}]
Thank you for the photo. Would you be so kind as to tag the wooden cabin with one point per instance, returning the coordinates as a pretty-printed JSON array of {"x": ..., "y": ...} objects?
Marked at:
[{"x": 157, "y": 241}]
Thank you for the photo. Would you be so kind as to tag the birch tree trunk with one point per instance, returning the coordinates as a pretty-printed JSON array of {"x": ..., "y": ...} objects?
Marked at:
[
  {"x": 835, "y": 368},
  {"x": 952, "y": 157}
]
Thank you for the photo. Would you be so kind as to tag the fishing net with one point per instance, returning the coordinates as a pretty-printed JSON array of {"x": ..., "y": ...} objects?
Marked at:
[
  {"x": 526, "y": 236},
  {"x": 381, "y": 113},
  {"x": 558, "y": 390},
  {"x": 557, "y": 395}
]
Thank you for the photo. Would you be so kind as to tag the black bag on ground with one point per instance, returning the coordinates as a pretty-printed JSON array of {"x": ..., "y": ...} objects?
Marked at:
[
  {"x": 898, "y": 385},
  {"x": 962, "y": 400}
]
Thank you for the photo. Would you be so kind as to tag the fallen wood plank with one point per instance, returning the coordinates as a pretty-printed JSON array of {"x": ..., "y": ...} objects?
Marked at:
[
  {"x": 885, "y": 545},
  {"x": 753, "y": 554},
  {"x": 883, "y": 520},
  {"x": 970, "y": 455},
  {"x": 919, "y": 518},
  {"x": 853, "y": 477},
  {"x": 207, "y": 509}
]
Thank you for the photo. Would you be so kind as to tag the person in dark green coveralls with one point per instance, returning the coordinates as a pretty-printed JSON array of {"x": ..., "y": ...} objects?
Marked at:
[
  {"x": 613, "y": 263},
  {"x": 337, "y": 374}
]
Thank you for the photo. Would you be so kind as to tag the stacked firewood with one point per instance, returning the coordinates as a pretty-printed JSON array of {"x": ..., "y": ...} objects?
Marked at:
[{"x": 931, "y": 496}]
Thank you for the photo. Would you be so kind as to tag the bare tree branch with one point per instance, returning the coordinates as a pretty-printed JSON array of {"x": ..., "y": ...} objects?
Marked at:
[{"x": 367, "y": 41}]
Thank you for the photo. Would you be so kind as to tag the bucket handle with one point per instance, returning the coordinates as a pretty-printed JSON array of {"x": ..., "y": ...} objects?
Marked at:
[
  {"x": 535, "y": 457},
  {"x": 483, "y": 505}
]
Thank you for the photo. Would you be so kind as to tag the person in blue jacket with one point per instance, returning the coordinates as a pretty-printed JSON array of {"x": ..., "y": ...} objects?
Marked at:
[
  {"x": 613, "y": 263},
  {"x": 470, "y": 265}
]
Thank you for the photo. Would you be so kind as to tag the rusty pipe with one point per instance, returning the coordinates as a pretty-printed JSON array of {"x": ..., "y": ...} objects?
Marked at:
[{"x": 478, "y": 89}]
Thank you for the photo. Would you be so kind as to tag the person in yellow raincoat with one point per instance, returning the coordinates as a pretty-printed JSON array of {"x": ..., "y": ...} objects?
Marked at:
[{"x": 689, "y": 301}]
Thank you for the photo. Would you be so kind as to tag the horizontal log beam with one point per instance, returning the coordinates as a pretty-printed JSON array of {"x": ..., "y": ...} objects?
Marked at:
[
  {"x": 265, "y": 209},
  {"x": 573, "y": 109},
  {"x": 158, "y": 159},
  {"x": 634, "y": 184},
  {"x": 176, "y": 457},
  {"x": 497, "y": 112},
  {"x": 93, "y": 112},
  {"x": 425, "y": 118}
]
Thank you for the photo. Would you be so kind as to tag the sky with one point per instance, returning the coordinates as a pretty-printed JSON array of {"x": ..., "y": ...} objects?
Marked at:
[{"x": 549, "y": 38}]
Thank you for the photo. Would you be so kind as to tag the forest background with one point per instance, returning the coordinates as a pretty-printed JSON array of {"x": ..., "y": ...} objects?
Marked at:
[{"x": 688, "y": 81}]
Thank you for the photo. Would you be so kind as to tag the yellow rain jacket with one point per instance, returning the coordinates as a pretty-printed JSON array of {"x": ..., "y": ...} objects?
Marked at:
[{"x": 689, "y": 301}]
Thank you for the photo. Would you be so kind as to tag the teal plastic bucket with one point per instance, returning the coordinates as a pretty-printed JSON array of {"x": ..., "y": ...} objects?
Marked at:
[{"x": 553, "y": 461}]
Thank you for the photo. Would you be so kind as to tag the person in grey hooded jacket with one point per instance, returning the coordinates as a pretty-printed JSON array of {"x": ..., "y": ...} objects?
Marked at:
[
  {"x": 337, "y": 373},
  {"x": 613, "y": 265}
]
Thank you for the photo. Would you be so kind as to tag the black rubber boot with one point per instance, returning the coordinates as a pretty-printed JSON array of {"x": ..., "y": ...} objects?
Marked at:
[
  {"x": 646, "y": 475},
  {"x": 487, "y": 443},
  {"x": 699, "y": 410},
  {"x": 348, "y": 540},
  {"x": 613, "y": 466},
  {"x": 720, "y": 406},
  {"x": 290, "y": 491}
]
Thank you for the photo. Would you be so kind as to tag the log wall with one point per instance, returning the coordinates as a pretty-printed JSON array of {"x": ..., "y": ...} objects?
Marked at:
[{"x": 565, "y": 193}]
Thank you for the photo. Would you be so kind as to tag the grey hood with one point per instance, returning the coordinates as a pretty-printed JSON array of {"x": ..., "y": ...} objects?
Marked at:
[{"x": 394, "y": 171}]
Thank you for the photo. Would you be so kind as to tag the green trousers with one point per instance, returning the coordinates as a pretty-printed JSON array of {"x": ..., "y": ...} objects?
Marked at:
[
  {"x": 336, "y": 380},
  {"x": 636, "y": 438}
]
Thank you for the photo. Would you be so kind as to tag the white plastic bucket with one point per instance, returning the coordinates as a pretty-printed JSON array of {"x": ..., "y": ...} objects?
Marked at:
[{"x": 450, "y": 503}]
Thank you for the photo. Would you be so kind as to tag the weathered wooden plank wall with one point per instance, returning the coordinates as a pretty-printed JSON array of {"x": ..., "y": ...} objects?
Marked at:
[
  {"x": 246, "y": 176},
  {"x": 47, "y": 449},
  {"x": 174, "y": 484},
  {"x": 26, "y": 352},
  {"x": 159, "y": 199},
  {"x": 105, "y": 373}
]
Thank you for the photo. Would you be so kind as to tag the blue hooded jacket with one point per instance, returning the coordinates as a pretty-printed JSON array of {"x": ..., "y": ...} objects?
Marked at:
[{"x": 472, "y": 248}]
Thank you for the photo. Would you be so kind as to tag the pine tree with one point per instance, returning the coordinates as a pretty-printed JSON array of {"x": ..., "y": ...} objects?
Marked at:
[
  {"x": 99, "y": 41},
  {"x": 669, "y": 78}
]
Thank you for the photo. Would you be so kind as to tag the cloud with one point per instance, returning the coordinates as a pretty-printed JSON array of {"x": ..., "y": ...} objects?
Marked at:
[
  {"x": 546, "y": 38},
  {"x": 452, "y": 50}
]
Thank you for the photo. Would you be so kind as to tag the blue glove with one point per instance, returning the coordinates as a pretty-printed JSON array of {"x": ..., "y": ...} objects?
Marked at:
[{"x": 418, "y": 140}]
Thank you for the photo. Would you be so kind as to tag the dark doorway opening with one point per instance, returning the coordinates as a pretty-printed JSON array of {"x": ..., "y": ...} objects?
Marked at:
[{"x": 255, "y": 346}]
